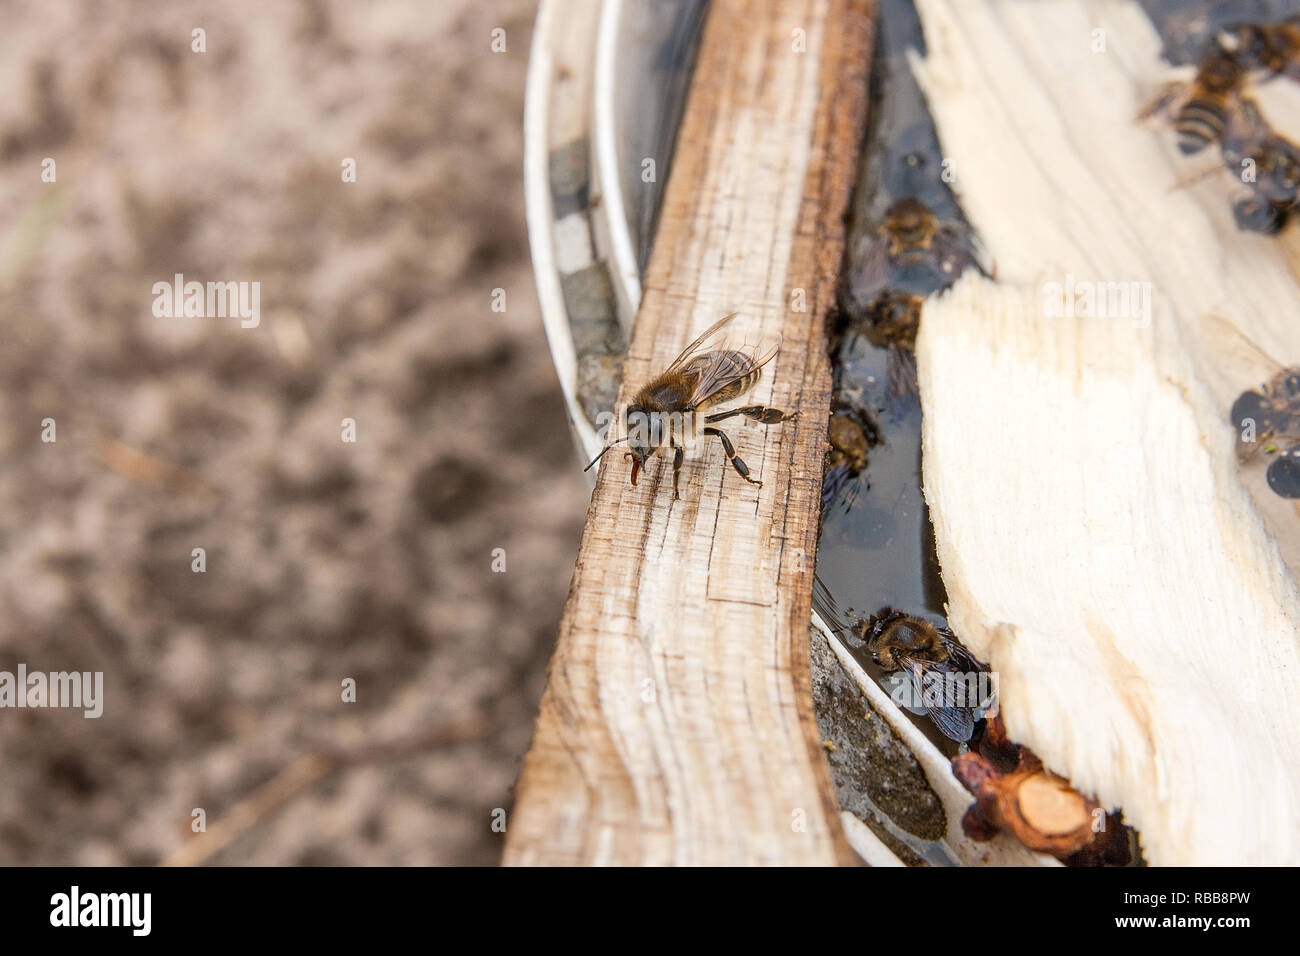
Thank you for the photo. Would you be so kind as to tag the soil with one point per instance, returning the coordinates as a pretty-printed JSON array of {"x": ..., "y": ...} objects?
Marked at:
[{"x": 324, "y": 559}]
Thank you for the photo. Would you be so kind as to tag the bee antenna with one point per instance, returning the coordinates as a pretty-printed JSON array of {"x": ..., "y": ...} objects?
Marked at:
[{"x": 602, "y": 452}]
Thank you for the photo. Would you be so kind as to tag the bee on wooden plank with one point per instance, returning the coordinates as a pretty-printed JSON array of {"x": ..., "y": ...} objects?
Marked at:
[
  {"x": 1214, "y": 107},
  {"x": 1269, "y": 420},
  {"x": 1267, "y": 164},
  {"x": 1271, "y": 47},
  {"x": 1274, "y": 165},
  {"x": 937, "y": 666},
  {"x": 699, "y": 378},
  {"x": 1202, "y": 107}
]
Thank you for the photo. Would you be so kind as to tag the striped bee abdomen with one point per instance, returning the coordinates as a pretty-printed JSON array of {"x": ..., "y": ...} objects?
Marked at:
[
  {"x": 1198, "y": 124},
  {"x": 735, "y": 371}
]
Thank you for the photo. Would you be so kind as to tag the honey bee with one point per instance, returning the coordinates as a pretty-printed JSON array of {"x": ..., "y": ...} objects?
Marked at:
[
  {"x": 929, "y": 655},
  {"x": 1213, "y": 107},
  {"x": 851, "y": 434},
  {"x": 1275, "y": 163},
  {"x": 1271, "y": 47},
  {"x": 1267, "y": 419},
  {"x": 1203, "y": 107},
  {"x": 893, "y": 321},
  {"x": 697, "y": 379},
  {"x": 914, "y": 250}
]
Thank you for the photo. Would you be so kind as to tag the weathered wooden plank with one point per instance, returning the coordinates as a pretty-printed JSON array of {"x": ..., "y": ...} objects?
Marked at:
[
  {"x": 1099, "y": 545},
  {"x": 677, "y": 725}
]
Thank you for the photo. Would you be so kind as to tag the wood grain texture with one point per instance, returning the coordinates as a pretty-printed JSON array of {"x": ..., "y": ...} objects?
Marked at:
[
  {"x": 1100, "y": 546},
  {"x": 677, "y": 725}
]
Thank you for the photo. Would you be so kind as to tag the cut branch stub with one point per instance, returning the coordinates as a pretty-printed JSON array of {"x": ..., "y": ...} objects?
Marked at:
[{"x": 1035, "y": 805}]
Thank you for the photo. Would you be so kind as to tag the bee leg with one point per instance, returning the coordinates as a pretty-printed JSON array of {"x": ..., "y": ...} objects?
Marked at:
[
  {"x": 677, "y": 466},
  {"x": 1161, "y": 101},
  {"x": 759, "y": 413},
  {"x": 736, "y": 461}
]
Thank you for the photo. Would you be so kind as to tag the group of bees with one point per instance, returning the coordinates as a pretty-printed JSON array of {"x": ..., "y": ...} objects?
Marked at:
[
  {"x": 1215, "y": 107},
  {"x": 912, "y": 254},
  {"x": 990, "y": 764},
  {"x": 915, "y": 253},
  {"x": 1269, "y": 421}
]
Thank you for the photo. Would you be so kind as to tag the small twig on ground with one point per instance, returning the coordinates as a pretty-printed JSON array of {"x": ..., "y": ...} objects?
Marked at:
[{"x": 307, "y": 770}]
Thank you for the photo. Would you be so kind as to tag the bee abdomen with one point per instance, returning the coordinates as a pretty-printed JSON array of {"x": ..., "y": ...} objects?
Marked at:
[
  {"x": 728, "y": 364},
  {"x": 1198, "y": 124}
]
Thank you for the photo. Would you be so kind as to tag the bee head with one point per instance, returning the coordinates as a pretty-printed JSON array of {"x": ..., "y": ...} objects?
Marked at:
[
  {"x": 639, "y": 439},
  {"x": 882, "y": 655},
  {"x": 1219, "y": 74}
]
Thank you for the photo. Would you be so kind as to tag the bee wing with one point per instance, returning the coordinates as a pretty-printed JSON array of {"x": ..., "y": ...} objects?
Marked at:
[
  {"x": 1239, "y": 366},
  {"x": 1192, "y": 178},
  {"x": 959, "y": 658},
  {"x": 840, "y": 480},
  {"x": 1244, "y": 131},
  {"x": 903, "y": 386},
  {"x": 720, "y": 371},
  {"x": 916, "y": 676},
  {"x": 980, "y": 255},
  {"x": 1237, "y": 354},
  {"x": 869, "y": 275},
  {"x": 832, "y": 482},
  {"x": 956, "y": 248},
  {"x": 689, "y": 352},
  {"x": 956, "y": 723},
  {"x": 1161, "y": 102}
]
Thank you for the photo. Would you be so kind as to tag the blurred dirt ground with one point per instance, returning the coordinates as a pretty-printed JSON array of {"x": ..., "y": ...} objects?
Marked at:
[{"x": 325, "y": 560}]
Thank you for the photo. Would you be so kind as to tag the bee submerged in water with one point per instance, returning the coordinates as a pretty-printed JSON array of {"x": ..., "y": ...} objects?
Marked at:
[
  {"x": 937, "y": 666},
  {"x": 913, "y": 254},
  {"x": 851, "y": 433},
  {"x": 893, "y": 321},
  {"x": 697, "y": 379},
  {"x": 914, "y": 250}
]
